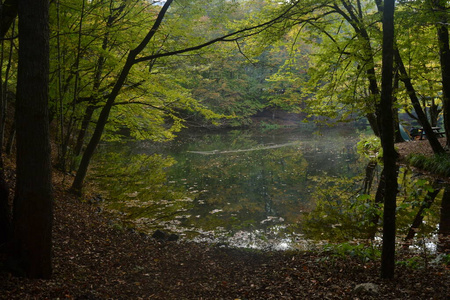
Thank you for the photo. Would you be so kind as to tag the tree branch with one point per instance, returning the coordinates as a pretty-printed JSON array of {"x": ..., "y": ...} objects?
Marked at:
[{"x": 231, "y": 37}]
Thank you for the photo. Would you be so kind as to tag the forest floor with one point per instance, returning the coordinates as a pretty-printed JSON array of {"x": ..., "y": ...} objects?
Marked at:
[
  {"x": 416, "y": 146},
  {"x": 95, "y": 260}
]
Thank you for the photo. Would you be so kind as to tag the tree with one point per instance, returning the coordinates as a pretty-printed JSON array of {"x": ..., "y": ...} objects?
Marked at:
[
  {"x": 8, "y": 12},
  {"x": 134, "y": 58},
  {"x": 387, "y": 142},
  {"x": 444, "y": 225},
  {"x": 33, "y": 202},
  {"x": 440, "y": 8}
]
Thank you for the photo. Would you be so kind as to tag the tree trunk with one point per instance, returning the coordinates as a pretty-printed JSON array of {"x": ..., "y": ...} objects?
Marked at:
[
  {"x": 8, "y": 14},
  {"x": 444, "y": 56},
  {"x": 104, "y": 114},
  {"x": 444, "y": 224},
  {"x": 33, "y": 202},
  {"x": 429, "y": 199},
  {"x": 434, "y": 143},
  {"x": 5, "y": 209},
  {"x": 372, "y": 118},
  {"x": 84, "y": 127},
  {"x": 379, "y": 198},
  {"x": 11, "y": 137},
  {"x": 387, "y": 141}
]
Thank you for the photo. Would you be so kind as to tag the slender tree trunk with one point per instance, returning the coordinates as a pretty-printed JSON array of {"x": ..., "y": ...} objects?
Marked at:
[
  {"x": 11, "y": 137},
  {"x": 95, "y": 88},
  {"x": 379, "y": 198},
  {"x": 104, "y": 114},
  {"x": 33, "y": 202},
  {"x": 66, "y": 140},
  {"x": 77, "y": 184},
  {"x": 387, "y": 141},
  {"x": 434, "y": 143},
  {"x": 355, "y": 20},
  {"x": 373, "y": 122},
  {"x": 84, "y": 127},
  {"x": 427, "y": 202}
]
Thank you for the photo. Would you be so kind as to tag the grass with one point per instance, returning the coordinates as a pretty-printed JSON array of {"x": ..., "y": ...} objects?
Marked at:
[{"x": 438, "y": 164}]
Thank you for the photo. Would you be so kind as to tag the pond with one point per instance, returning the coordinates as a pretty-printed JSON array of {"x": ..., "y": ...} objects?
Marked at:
[{"x": 279, "y": 189}]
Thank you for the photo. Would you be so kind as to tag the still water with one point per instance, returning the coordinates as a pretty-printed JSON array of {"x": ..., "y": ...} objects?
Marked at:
[{"x": 272, "y": 190}]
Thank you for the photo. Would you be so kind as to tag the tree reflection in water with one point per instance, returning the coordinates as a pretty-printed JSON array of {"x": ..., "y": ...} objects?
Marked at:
[{"x": 255, "y": 190}]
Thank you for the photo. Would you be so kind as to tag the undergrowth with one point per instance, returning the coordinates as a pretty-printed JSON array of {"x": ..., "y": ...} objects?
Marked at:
[{"x": 438, "y": 164}]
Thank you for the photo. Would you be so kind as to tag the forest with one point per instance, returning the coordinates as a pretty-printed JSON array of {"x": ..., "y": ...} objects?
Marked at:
[{"x": 78, "y": 74}]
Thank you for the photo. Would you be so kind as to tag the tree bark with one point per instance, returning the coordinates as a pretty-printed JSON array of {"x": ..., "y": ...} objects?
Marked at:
[
  {"x": 5, "y": 210},
  {"x": 373, "y": 122},
  {"x": 444, "y": 57},
  {"x": 33, "y": 202},
  {"x": 8, "y": 12},
  {"x": 444, "y": 224},
  {"x": 434, "y": 143},
  {"x": 378, "y": 201},
  {"x": 387, "y": 141}
]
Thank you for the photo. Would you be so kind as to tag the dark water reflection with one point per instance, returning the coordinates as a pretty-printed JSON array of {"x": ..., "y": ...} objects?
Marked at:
[{"x": 276, "y": 190}]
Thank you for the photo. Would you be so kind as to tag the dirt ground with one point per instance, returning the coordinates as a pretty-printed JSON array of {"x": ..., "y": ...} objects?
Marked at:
[{"x": 416, "y": 146}]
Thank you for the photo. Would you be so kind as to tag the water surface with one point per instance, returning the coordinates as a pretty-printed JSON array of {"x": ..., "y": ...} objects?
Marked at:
[{"x": 279, "y": 189}]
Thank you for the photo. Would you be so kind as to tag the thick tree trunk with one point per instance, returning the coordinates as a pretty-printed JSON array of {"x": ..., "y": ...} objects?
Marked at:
[
  {"x": 8, "y": 12},
  {"x": 387, "y": 141},
  {"x": 5, "y": 210},
  {"x": 5, "y": 217},
  {"x": 33, "y": 202}
]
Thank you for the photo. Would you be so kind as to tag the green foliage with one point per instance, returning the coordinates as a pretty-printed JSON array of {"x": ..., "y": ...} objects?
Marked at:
[
  {"x": 438, "y": 164},
  {"x": 370, "y": 147},
  {"x": 362, "y": 252},
  {"x": 414, "y": 262}
]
